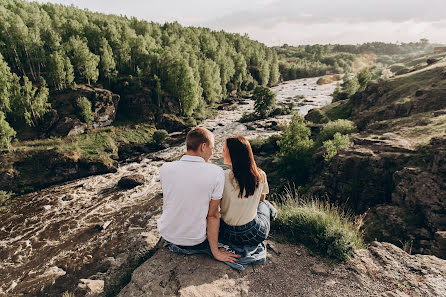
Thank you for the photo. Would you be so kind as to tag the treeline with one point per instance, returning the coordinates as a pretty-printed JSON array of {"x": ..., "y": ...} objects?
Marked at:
[
  {"x": 311, "y": 60},
  {"x": 315, "y": 60},
  {"x": 50, "y": 47}
]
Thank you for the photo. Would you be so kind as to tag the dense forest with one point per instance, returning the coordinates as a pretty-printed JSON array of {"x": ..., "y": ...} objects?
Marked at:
[
  {"x": 47, "y": 48},
  {"x": 315, "y": 60}
]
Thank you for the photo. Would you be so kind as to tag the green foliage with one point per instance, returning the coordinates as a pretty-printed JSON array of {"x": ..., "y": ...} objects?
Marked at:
[
  {"x": 363, "y": 78},
  {"x": 107, "y": 63},
  {"x": 266, "y": 145},
  {"x": 5, "y": 199},
  {"x": 324, "y": 228},
  {"x": 351, "y": 85},
  {"x": 210, "y": 81},
  {"x": 84, "y": 61},
  {"x": 331, "y": 128},
  {"x": 84, "y": 111},
  {"x": 159, "y": 136},
  {"x": 265, "y": 101},
  {"x": 194, "y": 66},
  {"x": 296, "y": 150},
  {"x": 60, "y": 71},
  {"x": 30, "y": 103},
  {"x": 332, "y": 146},
  {"x": 7, "y": 133},
  {"x": 6, "y": 85}
]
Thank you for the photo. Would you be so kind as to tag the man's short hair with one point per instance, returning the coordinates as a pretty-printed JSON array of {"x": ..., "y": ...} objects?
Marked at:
[{"x": 196, "y": 137}]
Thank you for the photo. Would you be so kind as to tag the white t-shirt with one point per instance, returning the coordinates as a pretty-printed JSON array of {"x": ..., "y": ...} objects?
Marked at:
[
  {"x": 236, "y": 211},
  {"x": 188, "y": 187}
]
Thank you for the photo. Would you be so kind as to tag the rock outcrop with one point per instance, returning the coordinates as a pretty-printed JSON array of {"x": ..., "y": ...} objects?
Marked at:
[
  {"x": 63, "y": 120},
  {"x": 39, "y": 169},
  {"x": 402, "y": 189},
  {"x": 380, "y": 270}
]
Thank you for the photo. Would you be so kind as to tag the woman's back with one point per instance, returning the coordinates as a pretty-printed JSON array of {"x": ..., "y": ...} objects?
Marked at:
[{"x": 237, "y": 211}]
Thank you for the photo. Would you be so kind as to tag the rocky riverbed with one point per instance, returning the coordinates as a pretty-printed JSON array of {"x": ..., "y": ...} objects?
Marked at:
[{"x": 82, "y": 233}]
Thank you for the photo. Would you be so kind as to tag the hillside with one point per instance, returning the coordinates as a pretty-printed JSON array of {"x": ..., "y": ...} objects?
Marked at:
[{"x": 395, "y": 169}]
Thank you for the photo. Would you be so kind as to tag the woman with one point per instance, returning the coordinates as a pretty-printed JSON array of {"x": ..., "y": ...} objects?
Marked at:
[{"x": 245, "y": 214}]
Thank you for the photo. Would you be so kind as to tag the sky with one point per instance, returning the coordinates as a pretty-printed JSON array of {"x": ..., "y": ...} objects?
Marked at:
[{"x": 294, "y": 22}]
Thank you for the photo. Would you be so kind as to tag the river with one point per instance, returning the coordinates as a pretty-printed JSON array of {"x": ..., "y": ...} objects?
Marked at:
[{"x": 83, "y": 229}]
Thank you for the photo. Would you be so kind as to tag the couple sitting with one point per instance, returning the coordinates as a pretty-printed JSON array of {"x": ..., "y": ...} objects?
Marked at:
[{"x": 208, "y": 210}]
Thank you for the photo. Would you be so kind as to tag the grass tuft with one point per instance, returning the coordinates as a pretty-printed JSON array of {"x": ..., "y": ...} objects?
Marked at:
[{"x": 323, "y": 227}]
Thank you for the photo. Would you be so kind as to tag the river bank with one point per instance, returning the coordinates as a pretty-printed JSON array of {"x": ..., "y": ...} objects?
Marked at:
[{"x": 91, "y": 229}]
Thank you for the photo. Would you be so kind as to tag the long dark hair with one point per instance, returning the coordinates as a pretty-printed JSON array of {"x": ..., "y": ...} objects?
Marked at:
[{"x": 244, "y": 166}]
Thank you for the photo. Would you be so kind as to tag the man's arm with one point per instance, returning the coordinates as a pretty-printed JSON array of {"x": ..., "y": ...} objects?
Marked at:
[{"x": 213, "y": 225}]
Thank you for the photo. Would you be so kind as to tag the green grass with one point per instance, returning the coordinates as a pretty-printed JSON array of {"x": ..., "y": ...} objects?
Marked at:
[
  {"x": 338, "y": 110},
  {"x": 324, "y": 228},
  {"x": 101, "y": 143}
]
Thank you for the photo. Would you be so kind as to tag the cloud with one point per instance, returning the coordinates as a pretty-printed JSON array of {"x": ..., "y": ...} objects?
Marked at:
[{"x": 320, "y": 12}]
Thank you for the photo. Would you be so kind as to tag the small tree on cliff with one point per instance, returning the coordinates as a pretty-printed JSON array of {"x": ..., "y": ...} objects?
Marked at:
[
  {"x": 6, "y": 132},
  {"x": 265, "y": 101}
]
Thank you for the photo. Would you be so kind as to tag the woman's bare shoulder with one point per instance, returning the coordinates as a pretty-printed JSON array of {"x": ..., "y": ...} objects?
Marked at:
[{"x": 262, "y": 175}]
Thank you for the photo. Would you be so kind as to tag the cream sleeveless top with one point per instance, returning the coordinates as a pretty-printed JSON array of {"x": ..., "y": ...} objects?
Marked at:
[{"x": 236, "y": 211}]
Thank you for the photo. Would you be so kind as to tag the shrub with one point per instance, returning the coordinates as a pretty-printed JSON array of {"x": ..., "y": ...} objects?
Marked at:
[
  {"x": 268, "y": 145},
  {"x": 84, "y": 109},
  {"x": 265, "y": 101},
  {"x": 159, "y": 136},
  {"x": 363, "y": 78},
  {"x": 331, "y": 128},
  {"x": 6, "y": 132},
  {"x": 316, "y": 116},
  {"x": 324, "y": 228},
  {"x": 332, "y": 146},
  {"x": 296, "y": 149},
  {"x": 249, "y": 117},
  {"x": 5, "y": 199}
]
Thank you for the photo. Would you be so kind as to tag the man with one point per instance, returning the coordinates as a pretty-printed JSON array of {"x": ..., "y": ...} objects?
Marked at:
[{"x": 192, "y": 190}]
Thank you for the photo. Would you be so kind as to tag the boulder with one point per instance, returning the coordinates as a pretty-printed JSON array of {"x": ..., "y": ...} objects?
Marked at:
[
  {"x": 67, "y": 127},
  {"x": 91, "y": 286},
  {"x": 131, "y": 181}
]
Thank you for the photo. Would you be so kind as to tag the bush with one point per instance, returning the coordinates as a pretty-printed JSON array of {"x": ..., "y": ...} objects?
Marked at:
[
  {"x": 267, "y": 145},
  {"x": 5, "y": 199},
  {"x": 332, "y": 146},
  {"x": 324, "y": 228},
  {"x": 331, "y": 128},
  {"x": 265, "y": 101},
  {"x": 6, "y": 132},
  {"x": 84, "y": 109},
  {"x": 296, "y": 150},
  {"x": 249, "y": 117},
  {"x": 159, "y": 136}
]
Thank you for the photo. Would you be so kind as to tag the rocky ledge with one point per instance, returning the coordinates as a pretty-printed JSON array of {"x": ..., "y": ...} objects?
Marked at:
[{"x": 380, "y": 270}]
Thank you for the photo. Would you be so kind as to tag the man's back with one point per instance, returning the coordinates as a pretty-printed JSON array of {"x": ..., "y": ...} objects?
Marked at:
[{"x": 188, "y": 186}]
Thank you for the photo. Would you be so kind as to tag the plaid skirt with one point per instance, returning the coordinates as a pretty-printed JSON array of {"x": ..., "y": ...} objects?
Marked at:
[{"x": 252, "y": 233}]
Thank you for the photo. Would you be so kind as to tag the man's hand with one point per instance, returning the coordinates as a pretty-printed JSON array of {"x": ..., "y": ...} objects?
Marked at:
[{"x": 213, "y": 224}]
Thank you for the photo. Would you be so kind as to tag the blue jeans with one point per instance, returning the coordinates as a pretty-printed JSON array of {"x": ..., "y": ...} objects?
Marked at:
[
  {"x": 252, "y": 233},
  {"x": 248, "y": 254}
]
